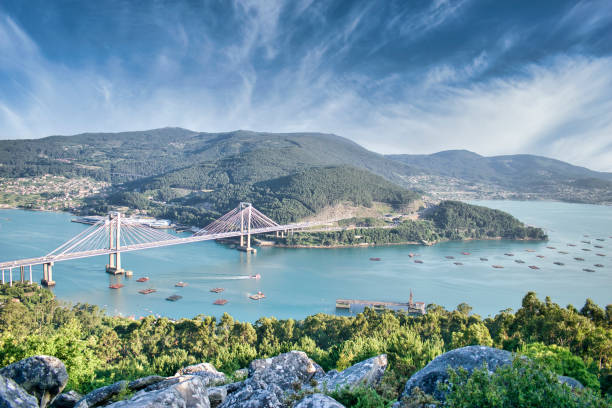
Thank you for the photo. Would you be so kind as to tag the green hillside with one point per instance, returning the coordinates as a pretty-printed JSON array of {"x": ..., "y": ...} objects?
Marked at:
[{"x": 517, "y": 172}]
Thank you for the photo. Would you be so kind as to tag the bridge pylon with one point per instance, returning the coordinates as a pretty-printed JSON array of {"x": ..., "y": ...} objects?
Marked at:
[{"x": 113, "y": 223}]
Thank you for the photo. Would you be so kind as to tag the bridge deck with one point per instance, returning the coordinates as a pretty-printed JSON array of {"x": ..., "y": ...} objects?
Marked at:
[{"x": 157, "y": 244}]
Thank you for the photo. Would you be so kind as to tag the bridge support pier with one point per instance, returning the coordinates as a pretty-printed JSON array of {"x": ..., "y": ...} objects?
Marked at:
[
  {"x": 114, "y": 264},
  {"x": 22, "y": 273},
  {"x": 10, "y": 276},
  {"x": 3, "y": 276},
  {"x": 47, "y": 279},
  {"x": 31, "y": 275}
]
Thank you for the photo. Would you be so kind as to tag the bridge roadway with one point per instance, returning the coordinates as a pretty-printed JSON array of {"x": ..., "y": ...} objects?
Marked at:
[{"x": 156, "y": 244}]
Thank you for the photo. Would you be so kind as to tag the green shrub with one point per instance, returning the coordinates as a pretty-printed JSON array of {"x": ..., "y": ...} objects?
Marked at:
[{"x": 524, "y": 383}]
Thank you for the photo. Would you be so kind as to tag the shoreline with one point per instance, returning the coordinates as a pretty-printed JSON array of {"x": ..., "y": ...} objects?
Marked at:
[{"x": 272, "y": 244}]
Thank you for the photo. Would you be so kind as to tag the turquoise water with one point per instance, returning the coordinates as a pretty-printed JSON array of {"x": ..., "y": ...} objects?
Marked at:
[{"x": 301, "y": 282}]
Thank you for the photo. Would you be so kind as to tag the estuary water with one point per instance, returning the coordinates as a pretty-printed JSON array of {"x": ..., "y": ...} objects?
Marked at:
[{"x": 301, "y": 282}]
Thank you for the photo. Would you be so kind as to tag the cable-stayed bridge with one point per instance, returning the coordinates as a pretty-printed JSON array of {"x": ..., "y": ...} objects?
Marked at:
[{"x": 116, "y": 234}]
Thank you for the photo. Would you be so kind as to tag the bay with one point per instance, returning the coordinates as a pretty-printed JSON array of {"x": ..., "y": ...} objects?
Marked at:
[{"x": 301, "y": 282}]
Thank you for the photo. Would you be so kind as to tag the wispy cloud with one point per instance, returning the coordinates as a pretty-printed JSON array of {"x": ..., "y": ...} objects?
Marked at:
[{"x": 363, "y": 71}]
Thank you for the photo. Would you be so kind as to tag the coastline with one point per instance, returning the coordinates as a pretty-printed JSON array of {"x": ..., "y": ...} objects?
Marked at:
[{"x": 367, "y": 245}]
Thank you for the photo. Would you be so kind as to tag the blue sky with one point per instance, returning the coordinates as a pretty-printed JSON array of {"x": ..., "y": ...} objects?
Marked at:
[{"x": 494, "y": 77}]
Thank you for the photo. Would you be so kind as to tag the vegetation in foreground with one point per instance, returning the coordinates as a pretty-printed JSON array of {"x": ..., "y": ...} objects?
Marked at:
[{"x": 98, "y": 349}]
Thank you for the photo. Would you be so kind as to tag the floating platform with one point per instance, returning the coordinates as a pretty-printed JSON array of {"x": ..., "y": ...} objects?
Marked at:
[
  {"x": 147, "y": 291},
  {"x": 484, "y": 259},
  {"x": 579, "y": 259},
  {"x": 551, "y": 247},
  {"x": 412, "y": 308},
  {"x": 116, "y": 286},
  {"x": 458, "y": 263},
  {"x": 217, "y": 290},
  {"x": 600, "y": 254},
  {"x": 257, "y": 296},
  {"x": 533, "y": 267},
  {"x": 519, "y": 261},
  {"x": 220, "y": 302},
  {"x": 375, "y": 259},
  {"x": 180, "y": 284},
  {"x": 588, "y": 270},
  {"x": 143, "y": 279},
  {"x": 599, "y": 265},
  {"x": 540, "y": 256},
  {"x": 465, "y": 253},
  {"x": 598, "y": 246},
  {"x": 572, "y": 245},
  {"x": 559, "y": 263},
  {"x": 497, "y": 266},
  {"x": 509, "y": 254},
  {"x": 174, "y": 298},
  {"x": 449, "y": 257},
  {"x": 418, "y": 261},
  {"x": 586, "y": 249}
]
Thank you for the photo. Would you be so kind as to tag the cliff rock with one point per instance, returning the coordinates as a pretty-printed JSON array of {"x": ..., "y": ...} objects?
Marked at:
[
  {"x": 318, "y": 401},
  {"x": 369, "y": 372},
  {"x": 44, "y": 377},
  {"x": 13, "y": 396}
]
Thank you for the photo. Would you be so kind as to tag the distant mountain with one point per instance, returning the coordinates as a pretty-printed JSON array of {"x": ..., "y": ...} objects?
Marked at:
[
  {"x": 245, "y": 156},
  {"x": 520, "y": 172}
]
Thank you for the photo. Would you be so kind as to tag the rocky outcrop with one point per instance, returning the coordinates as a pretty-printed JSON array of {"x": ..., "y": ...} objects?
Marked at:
[
  {"x": 103, "y": 395},
  {"x": 210, "y": 375},
  {"x": 44, "y": 377},
  {"x": 66, "y": 400},
  {"x": 470, "y": 357},
  {"x": 369, "y": 372},
  {"x": 189, "y": 393},
  {"x": 13, "y": 396},
  {"x": 318, "y": 401},
  {"x": 144, "y": 382},
  {"x": 573, "y": 383},
  {"x": 271, "y": 380},
  {"x": 216, "y": 396}
]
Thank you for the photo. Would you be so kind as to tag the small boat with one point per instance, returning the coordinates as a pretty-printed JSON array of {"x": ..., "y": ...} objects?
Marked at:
[
  {"x": 457, "y": 263},
  {"x": 600, "y": 254},
  {"x": 147, "y": 291},
  {"x": 374, "y": 259},
  {"x": 257, "y": 296},
  {"x": 484, "y": 259},
  {"x": 498, "y": 266},
  {"x": 143, "y": 279},
  {"x": 530, "y": 250},
  {"x": 116, "y": 286},
  {"x": 559, "y": 263},
  {"x": 411, "y": 255},
  {"x": 465, "y": 253},
  {"x": 180, "y": 284},
  {"x": 599, "y": 265},
  {"x": 509, "y": 254},
  {"x": 256, "y": 276},
  {"x": 586, "y": 242},
  {"x": 449, "y": 257},
  {"x": 217, "y": 290},
  {"x": 585, "y": 249},
  {"x": 579, "y": 259},
  {"x": 418, "y": 261},
  {"x": 551, "y": 247},
  {"x": 572, "y": 245},
  {"x": 563, "y": 252},
  {"x": 174, "y": 298},
  {"x": 519, "y": 261},
  {"x": 533, "y": 267},
  {"x": 540, "y": 256},
  {"x": 597, "y": 246},
  {"x": 600, "y": 239},
  {"x": 586, "y": 236},
  {"x": 220, "y": 302},
  {"x": 588, "y": 270}
]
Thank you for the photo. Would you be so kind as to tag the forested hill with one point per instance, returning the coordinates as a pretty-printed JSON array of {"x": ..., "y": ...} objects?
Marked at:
[
  {"x": 459, "y": 220},
  {"x": 518, "y": 172},
  {"x": 120, "y": 157},
  {"x": 199, "y": 192}
]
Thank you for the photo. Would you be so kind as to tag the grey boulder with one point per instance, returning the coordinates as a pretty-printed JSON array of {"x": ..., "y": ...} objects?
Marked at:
[
  {"x": 271, "y": 380},
  {"x": 102, "y": 395},
  {"x": 13, "y": 396},
  {"x": 573, "y": 383},
  {"x": 66, "y": 400},
  {"x": 368, "y": 373},
  {"x": 318, "y": 401},
  {"x": 216, "y": 396},
  {"x": 470, "y": 357},
  {"x": 207, "y": 371},
  {"x": 189, "y": 393},
  {"x": 44, "y": 377},
  {"x": 144, "y": 382}
]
